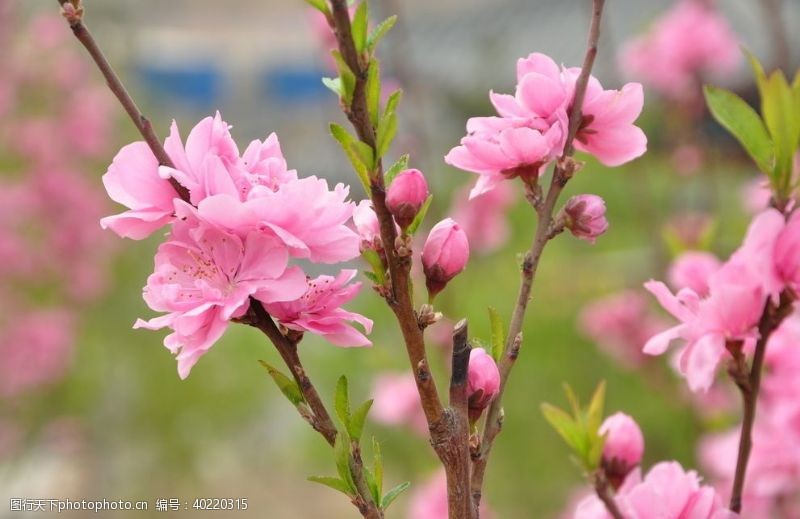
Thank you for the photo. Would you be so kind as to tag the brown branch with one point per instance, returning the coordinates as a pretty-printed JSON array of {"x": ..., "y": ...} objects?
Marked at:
[
  {"x": 141, "y": 122},
  {"x": 749, "y": 386},
  {"x": 458, "y": 485},
  {"x": 564, "y": 169},
  {"x": 603, "y": 491}
]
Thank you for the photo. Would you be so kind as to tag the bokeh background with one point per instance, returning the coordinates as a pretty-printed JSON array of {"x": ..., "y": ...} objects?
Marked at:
[{"x": 91, "y": 409}]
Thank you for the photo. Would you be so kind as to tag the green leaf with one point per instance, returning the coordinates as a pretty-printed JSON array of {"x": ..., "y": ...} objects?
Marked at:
[
  {"x": 373, "y": 88},
  {"x": 348, "y": 79},
  {"x": 357, "y": 420},
  {"x": 758, "y": 70},
  {"x": 341, "y": 453},
  {"x": 359, "y": 27},
  {"x": 342, "y": 401},
  {"x": 594, "y": 414},
  {"x": 360, "y": 158},
  {"x": 782, "y": 116},
  {"x": 378, "y": 269},
  {"x": 417, "y": 221},
  {"x": 498, "y": 334},
  {"x": 334, "y": 483},
  {"x": 288, "y": 387},
  {"x": 334, "y": 85},
  {"x": 397, "y": 167},
  {"x": 372, "y": 484},
  {"x": 393, "y": 101},
  {"x": 319, "y": 5},
  {"x": 379, "y": 32},
  {"x": 377, "y": 466},
  {"x": 393, "y": 493},
  {"x": 564, "y": 425},
  {"x": 387, "y": 127},
  {"x": 371, "y": 276},
  {"x": 742, "y": 121}
]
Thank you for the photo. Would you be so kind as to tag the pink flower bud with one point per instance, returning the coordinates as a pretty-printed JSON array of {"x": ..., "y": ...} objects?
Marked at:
[
  {"x": 787, "y": 252},
  {"x": 367, "y": 226},
  {"x": 405, "y": 196},
  {"x": 483, "y": 382},
  {"x": 623, "y": 448},
  {"x": 444, "y": 254},
  {"x": 585, "y": 216}
]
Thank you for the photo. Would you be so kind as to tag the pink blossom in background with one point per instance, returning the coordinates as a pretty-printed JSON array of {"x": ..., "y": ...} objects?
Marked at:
[
  {"x": 397, "y": 402},
  {"x": 690, "y": 229},
  {"x": 667, "y": 491},
  {"x": 204, "y": 277},
  {"x": 692, "y": 270},
  {"x": 687, "y": 159},
  {"x": 531, "y": 126},
  {"x": 36, "y": 347},
  {"x": 484, "y": 217},
  {"x": 318, "y": 310},
  {"x": 689, "y": 42},
  {"x": 429, "y": 499},
  {"x": 620, "y": 324}
]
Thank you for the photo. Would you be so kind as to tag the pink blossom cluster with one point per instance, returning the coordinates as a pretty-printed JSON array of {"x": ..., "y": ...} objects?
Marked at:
[
  {"x": 766, "y": 263},
  {"x": 531, "y": 127},
  {"x": 230, "y": 244},
  {"x": 686, "y": 44},
  {"x": 51, "y": 248},
  {"x": 773, "y": 472}
]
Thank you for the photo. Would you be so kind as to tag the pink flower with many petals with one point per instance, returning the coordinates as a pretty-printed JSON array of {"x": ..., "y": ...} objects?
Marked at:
[
  {"x": 318, "y": 310},
  {"x": 396, "y": 402},
  {"x": 666, "y": 492},
  {"x": 692, "y": 270},
  {"x": 205, "y": 276}
]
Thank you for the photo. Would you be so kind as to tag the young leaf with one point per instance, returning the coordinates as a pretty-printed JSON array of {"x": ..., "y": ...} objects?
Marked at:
[
  {"x": 334, "y": 483},
  {"x": 372, "y": 484},
  {"x": 341, "y": 453},
  {"x": 379, "y": 32},
  {"x": 393, "y": 493},
  {"x": 357, "y": 420},
  {"x": 288, "y": 387},
  {"x": 782, "y": 117},
  {"x": 374, "y": 90},
  {"x": 739, "y": 118},
  {"x": 594, "y": 414},
  {"x": 396, "y": 168},
  {"x": 387, "y": 129},
  {"x": 319, "y": 5},
  {"x": 359, "y": 27},
  {"x": 498, "y": 334},
  {"x": 564, "y": 425},
  {"x": 378, "y": 269},
  {"x": 417, "y": 221},
  {"x": 348, "y": 79},
  {"x": 372, "y": 277},
  {"x": 342, "y": 401},
  {"x": 334, "y": 85},
  {"x": 355, "y": 151},
  {"x": 377, "y": 466}
]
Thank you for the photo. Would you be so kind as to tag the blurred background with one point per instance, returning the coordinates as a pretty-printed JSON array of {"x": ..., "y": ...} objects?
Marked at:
[{"x": 91, "y": 409}]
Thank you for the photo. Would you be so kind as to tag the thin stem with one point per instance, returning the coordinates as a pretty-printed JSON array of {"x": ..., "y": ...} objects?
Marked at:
[
  {"x": 604, "y": 493},
  {"x": 749, "y": 387},
  {"x": 141, "y": 122},
  {"x": 563, "y": 171}
]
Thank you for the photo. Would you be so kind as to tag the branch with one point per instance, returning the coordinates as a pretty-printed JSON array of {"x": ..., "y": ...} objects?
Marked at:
[
  {"x": 771, "y": 319},
  {"x": 74, "y": 16},
  {"x": 563, "y": 171},
  {"x": 458, "y": 483},
  {"x": 602, "y": 490}
]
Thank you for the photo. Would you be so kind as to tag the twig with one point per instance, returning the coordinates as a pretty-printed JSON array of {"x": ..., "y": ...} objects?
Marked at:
[
  {"x": 771, "y": 319},
  {"x": 141, "y": 122},
  {"x": 563, "y": 171},
  {"x": 601, "y": 488},
  {"x": 458, "y": 486}
]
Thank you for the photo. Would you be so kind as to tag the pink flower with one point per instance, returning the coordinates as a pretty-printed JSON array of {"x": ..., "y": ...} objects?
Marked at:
[
  {"x": 318, "y": 310},
  {"x": 133, "y": 181},
  {"x": 620, "y": 324},
  {"x": 367, "y": 226},
  {"x": 787, "y": 252},
  {"x": 483, "y": 382},
  {"x": 687, "y": 43},
  {"x": 444, "y": 255},
  {"x": 692, "y": 270},
  {"x": 397, "y": 402},
  {"x": 405, "y": 196},
  {"x": 585, "y": 217},
  {"x": 429, "y": 500},
  {"x": 666, "y": 492},
  {"x": 483, "y": 217},
  {"x": 623, "y": 447},
  {"x": 756, "y": 195},
  {"x": 205, "y": 276}
]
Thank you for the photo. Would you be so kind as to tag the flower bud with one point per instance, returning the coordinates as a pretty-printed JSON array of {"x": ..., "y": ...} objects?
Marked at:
[
  {"x": 623, "y": 447},
  {"x": 483, "y": 382},
  {"x": 444, "y": 255},
  {"x": 585, "y": 216},
  {"x": 367, "y": 226},
  {"x": 406, "y": 195}
]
